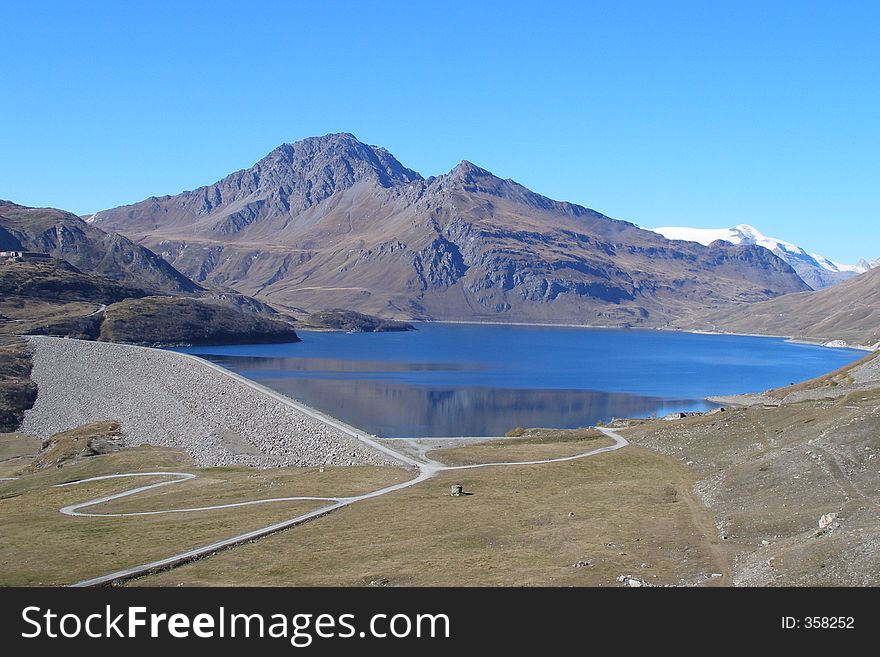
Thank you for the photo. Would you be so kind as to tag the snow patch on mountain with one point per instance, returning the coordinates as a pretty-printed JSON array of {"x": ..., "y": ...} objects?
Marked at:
[{"x": 816, "y": 270}]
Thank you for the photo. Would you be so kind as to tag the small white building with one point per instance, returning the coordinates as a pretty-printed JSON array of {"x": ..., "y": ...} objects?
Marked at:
[{"x": 17, "y": 256}]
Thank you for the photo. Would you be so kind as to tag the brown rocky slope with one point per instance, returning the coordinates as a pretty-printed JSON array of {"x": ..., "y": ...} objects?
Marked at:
[
  {"x": 849, "y": 311},
  {"x": 67, "y": 237}
]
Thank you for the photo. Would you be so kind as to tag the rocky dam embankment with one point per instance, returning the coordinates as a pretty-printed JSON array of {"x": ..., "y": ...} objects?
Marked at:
[{"x": 171, "y": 400}]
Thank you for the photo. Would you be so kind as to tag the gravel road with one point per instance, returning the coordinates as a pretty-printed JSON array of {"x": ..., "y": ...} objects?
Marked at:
[{"x": 168, "y": 399}]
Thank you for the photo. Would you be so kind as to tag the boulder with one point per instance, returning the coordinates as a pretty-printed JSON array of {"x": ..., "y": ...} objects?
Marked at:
[
  {"x": 632, "y": 582},
  {"x": 829, "y": 522}
]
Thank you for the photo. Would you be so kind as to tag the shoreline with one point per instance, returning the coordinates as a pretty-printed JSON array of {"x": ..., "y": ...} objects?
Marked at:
[{"x": 787, "y": 338}]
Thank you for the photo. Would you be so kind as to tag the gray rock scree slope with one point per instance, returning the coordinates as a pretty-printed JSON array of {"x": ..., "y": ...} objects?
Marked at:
[{"x": 179, "y": 401}]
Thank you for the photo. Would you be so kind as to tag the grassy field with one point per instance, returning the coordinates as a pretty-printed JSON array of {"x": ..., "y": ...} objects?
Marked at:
[
  {"x": 42, "y": 546},
  {"x": 14, "y": 446},
  {"x": 737, "y": 493},
  {"x": 518, "y": 525},
  {"x": 17, "y": 451},
  {"x": 536, "y": 445}
]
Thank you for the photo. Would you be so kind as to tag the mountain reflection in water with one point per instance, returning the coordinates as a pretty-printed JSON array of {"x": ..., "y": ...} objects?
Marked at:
[{"x": 399, "y": 410}]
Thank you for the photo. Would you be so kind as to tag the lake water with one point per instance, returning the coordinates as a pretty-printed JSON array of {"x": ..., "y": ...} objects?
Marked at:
[{"x": 483, "y": 380}]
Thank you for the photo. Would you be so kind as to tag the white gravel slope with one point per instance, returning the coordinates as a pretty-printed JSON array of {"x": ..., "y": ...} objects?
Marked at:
[{"x": 163, "y": 398}]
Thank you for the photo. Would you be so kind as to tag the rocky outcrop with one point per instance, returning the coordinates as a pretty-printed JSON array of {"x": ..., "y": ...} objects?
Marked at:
[
  {"x": 352, "y": 322},
  {"x": 828, "y": 522},
  {"x": 17, "y": 391},
  {"x": 439, "y": 265}
]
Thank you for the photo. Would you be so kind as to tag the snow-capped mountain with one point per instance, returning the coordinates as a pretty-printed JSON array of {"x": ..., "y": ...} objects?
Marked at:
[{"x": 816, "y": 270}]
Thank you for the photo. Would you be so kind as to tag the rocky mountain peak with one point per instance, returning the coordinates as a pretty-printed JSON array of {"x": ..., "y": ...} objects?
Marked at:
[
  {"x": 467, "y": 170},
  {"x": 335, "y": 160},
  {"x": 469, "y": 176}
]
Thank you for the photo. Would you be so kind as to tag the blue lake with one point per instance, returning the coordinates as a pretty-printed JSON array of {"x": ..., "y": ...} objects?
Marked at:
[{"x": 483, "y": 380}]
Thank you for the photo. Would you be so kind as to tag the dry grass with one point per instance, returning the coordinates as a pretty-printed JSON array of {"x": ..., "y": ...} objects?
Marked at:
[
  {"x": 521, "y": 525},
  {"x": 44, "y": 547},
  {"x": 536, "y": 445},
  {"x": 17, "y": 450},
  {"x": 29, "y": 313},
  {"x": 759, "y": 476},
  {"x": 81, "y": 442},
  {"x": 16, "y": 445}
]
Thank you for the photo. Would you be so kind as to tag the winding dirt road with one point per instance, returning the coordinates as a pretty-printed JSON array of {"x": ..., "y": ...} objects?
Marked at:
[{"x": 426, "y": 470}]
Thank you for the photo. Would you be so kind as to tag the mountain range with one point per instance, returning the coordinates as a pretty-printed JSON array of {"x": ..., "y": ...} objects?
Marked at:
[
  {"x": 330, "y": 222},
  {"x": 816, "y": 270}
]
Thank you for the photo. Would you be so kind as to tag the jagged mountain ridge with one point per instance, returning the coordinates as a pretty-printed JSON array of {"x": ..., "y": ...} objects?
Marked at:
[{"x": 331, "y": 222}]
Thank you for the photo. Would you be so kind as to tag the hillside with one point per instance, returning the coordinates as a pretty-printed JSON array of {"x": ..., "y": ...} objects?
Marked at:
[
  {"x": 849, "y": 311},
  {"x": 183, "y": 321},
  {"x": 331, "y": 222},
  {"x": 52, "y": 297},
  {"x": 769, "y": 474},
  {"x": 65, "y": 236},
  {"x": 57, "y": 280}
]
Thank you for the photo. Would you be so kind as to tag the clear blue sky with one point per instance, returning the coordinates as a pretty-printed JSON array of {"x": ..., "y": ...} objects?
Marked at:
[{"x": 661, "y": 113}]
